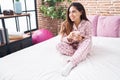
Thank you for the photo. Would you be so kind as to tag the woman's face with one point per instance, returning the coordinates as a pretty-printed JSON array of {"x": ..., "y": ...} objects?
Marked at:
[{"x": 74, "y": 14}]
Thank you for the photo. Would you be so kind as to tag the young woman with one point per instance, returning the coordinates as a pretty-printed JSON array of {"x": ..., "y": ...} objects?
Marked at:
[{"x": 76, "y": 20}]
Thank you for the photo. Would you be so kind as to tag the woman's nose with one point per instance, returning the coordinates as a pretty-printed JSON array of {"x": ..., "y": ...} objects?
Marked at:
[{"x": 71, "y": 14}]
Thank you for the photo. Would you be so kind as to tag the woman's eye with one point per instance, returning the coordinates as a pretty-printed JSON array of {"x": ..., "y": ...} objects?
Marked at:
[{"x": 73, "y": 11}]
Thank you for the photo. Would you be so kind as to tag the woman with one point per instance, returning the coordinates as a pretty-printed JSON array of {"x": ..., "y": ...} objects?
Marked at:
[{"x": 76, "y": 20}]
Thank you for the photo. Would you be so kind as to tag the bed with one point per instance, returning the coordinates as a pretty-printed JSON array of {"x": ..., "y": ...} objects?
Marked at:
[{"x": 43, "y": 62}]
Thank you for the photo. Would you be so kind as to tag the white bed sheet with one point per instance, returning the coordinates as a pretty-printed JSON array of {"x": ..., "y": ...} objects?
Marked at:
[{"x": 43, "y": 62}]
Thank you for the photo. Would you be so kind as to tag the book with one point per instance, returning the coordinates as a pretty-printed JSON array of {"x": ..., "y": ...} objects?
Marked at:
[
  {"x": 2, "y": 36},
  {"x": 16, "y": 35}
]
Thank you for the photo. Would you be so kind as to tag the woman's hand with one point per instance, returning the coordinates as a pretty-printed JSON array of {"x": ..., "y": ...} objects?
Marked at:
[{"x": 70, "y": 37}]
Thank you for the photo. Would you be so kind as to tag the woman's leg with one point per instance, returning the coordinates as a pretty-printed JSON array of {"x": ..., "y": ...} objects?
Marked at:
[
  {"x": 65, "y": 49},
  {"x": 79, "y": 55}
]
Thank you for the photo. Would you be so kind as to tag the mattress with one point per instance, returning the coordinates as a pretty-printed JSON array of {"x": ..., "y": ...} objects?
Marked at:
[{"x": 43, "y": 62}]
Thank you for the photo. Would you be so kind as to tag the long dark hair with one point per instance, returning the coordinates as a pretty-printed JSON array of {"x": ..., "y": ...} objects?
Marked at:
[{"x": 68, "y": 24}]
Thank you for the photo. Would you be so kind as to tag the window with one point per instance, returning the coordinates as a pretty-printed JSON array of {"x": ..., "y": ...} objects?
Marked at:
[{"x": 28, "y": 6}]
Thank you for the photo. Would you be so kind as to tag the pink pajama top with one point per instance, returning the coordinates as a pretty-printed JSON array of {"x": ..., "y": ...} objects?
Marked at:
[{"x": 84, "y": 47}]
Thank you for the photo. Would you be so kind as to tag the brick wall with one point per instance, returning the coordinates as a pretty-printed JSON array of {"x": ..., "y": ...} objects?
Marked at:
[
  {"x": 93, "y": 7},
  {"x": 45, "y": 22},
  {"x": 101, "y": 7}
]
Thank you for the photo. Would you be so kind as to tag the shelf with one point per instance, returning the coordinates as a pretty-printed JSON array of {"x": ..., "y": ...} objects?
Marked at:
[
  {"x": 15, "y": 46},
  {"x": 15, "y": 15},
  {"x": 20, "y": 44},
  {"x": 15, "y": 38},
  {"x": 15, "y": 43}
]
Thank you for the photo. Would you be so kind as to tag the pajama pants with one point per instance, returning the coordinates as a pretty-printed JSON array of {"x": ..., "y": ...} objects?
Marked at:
[
  {"x": 77, "y": 55},
  {"x": 65, "y": 49},
  {"x": 81, "y": 53}
]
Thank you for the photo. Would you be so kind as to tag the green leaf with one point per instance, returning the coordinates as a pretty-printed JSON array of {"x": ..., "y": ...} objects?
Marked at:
[{"x": 52, "y": 11}]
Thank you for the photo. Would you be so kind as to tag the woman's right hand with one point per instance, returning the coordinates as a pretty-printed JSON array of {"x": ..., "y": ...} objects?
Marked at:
[{"x": 69, "y": 37}]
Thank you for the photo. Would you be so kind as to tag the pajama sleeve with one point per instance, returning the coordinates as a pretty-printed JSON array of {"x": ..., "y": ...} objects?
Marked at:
[
  {"x": 64, "y": 39},
  {"x": 88, "y": 30}
]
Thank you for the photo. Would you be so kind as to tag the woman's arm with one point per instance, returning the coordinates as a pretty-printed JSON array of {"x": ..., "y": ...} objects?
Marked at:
[
  {"x": 88, "y": 30},
  {"x": 67, "y": 38}
]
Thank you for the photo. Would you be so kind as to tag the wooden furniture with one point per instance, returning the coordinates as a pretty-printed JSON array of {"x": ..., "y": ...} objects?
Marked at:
[{"x": 15, "y": 45}]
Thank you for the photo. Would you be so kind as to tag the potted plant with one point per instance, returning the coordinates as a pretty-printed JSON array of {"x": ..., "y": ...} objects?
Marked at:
[
  {"x": 53, "y": 12},
  {"x": 50, "y": 8}
]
